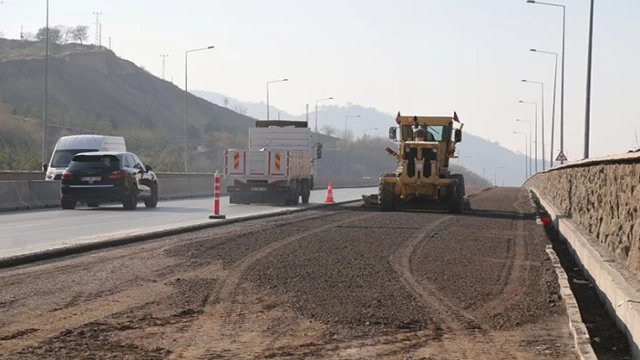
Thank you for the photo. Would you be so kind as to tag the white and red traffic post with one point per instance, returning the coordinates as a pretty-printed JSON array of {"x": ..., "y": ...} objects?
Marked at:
[{"x": 216, "y": 198}]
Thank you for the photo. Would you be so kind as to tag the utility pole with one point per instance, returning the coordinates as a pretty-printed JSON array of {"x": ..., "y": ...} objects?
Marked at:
[
  {"x": 97, "y": 23},
  {"x": 164, "y": 57}
]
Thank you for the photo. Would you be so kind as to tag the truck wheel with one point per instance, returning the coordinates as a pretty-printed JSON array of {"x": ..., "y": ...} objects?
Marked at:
[
  {"x": 386, "y": 196},
  {"x": 455, "y": 202},
  {"x": 305, "y": 191},
  {"x": 294, "y": 194}
]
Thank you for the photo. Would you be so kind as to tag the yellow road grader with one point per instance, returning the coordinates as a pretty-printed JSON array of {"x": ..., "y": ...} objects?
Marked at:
[{"x": 422, "y": 179}]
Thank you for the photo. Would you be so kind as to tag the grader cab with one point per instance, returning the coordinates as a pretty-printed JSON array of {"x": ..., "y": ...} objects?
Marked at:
[{"x": 422, "y": 178}]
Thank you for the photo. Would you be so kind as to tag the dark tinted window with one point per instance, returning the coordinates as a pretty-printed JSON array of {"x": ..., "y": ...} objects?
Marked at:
[
  {"x": 62, "y": 158},
  {"x": 95, "y": 161}
]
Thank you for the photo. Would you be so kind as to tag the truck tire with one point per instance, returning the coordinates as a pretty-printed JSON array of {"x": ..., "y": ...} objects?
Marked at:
[
  {"x": 305, "y": 191},
  {"x": 386, "y": 196},
  {"x": 294, "y": 194},
  {"x": 454, "y": 201}
]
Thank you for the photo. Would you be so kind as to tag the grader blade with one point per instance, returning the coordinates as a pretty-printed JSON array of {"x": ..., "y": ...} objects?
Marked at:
[{"x": 371, "y": 201}]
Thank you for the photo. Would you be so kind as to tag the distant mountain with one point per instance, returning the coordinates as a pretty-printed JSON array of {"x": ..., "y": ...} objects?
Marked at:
[{"x": 479, "y": 155}]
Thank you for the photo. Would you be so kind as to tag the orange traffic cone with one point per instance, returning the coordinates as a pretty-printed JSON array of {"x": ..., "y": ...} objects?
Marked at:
[{"x": 329, "y": 198}]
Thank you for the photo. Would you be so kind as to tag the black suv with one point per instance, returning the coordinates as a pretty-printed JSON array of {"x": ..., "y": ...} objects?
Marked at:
[{"x": 102, "y": 177}]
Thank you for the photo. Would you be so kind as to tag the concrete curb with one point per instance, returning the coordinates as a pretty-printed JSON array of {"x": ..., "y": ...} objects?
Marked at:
[
  {"x": 581, "y": 337},
  {"x": 50, "y": 254},
  {"x": 622, "y": 301}
]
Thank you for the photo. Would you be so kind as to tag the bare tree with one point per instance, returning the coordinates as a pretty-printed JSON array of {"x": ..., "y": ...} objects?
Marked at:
[
  {"x": 29, "y": 36},
  {"x": 328, "y": 130},
  {"x": 65, "y": 34},
  {"x": 79, "y": 33},
  {"x": 1, "y": 34},
  {"x": 240, "y": 109}
]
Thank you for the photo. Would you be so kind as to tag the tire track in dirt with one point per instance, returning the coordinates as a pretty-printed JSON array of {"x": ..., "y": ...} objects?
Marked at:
[
  {"x": 517, "y": 271},
  {"x": 81, "y": 309},
  {"x": 222, "y": 296},
  {"x": 443, "y": 311}
]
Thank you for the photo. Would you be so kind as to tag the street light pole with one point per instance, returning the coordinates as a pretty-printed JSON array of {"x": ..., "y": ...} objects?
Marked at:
[
  {"x": 526, "y": 174},
  {"x": 535, "y": 154},
  {"x": 553, "y": 115},
  {"x": 530, "y": 143},
  {"x": 344, "y": 157},
  {"x": 271, "y": 82},
  {"x": 46, "y": 90},
  {"x": 541, "y": 118},
  {"x": 587, "y": 113},
  {"x": 564, "y": 23},
  {"x": 317, "y": 101},
  {"x": 186, "y": 102}
]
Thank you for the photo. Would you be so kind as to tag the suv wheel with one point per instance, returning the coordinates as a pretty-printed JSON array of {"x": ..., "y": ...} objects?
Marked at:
[
  {"x": 153, "y": 201},
  {"x": 68, "y": 204},
  {"x": 130, "y": 202}
]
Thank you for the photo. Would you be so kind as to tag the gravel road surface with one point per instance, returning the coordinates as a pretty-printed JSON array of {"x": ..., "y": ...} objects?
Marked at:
[{"x": 337, "y": 282}]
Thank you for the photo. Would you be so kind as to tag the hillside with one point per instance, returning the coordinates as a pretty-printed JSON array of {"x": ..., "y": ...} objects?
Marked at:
[{"x": 93, "y": 83}]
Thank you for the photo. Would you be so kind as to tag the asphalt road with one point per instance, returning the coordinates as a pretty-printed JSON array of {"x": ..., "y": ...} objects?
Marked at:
[
  {"x": 335, "y": 282},
  {"x": 29, "y": 231}
]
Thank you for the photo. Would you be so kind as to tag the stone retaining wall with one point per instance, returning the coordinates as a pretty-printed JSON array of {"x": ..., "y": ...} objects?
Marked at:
[{"x": 603, "y": 197}]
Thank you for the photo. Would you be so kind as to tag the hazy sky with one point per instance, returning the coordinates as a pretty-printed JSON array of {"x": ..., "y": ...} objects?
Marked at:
[{"x": 427, "y": 57}]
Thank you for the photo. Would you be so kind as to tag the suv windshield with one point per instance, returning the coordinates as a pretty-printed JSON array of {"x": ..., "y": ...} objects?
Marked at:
[
  {"x": 94, "y": 161},
  {"x": 62, "y": 158}
]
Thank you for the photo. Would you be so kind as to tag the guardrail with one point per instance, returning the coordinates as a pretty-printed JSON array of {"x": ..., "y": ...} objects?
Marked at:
[{"x": 27, "y": 190}]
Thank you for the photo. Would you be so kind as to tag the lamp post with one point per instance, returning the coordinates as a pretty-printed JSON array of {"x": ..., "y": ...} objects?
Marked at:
[
  {"x": 562, "y": 66},
  {"x": 344, "y": 157},
  {"x": 530, "y": 141},
  {"x": 317, "y": 101},
  {"x": 535, "y": 141},
  {"x": 186, "y": 101},
  {"x": 46, "y": 91},
  {"x": 364, "y": 160},
  {"x": 271, "y": 82},
  {"x": 495, "y": 175},
  {"x": 541, "y": 117},
  {"x": 587, "y": 112},
  {"x": 553, "y": 114},
  {"x": 526, "y": 140}
]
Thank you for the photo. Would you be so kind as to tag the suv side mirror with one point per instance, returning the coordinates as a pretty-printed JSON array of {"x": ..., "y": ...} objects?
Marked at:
[
  {"x": 458, "y": 135},
  {"x": 45, "y": 167},
  {"x": 149, "y": 168},
  {"x": 393, "y": 133},
  {"x": 318, "y": 151}
]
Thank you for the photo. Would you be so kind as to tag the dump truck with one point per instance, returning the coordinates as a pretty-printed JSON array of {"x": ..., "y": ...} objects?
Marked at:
[
  {"x": 422, "y": 178},
  {"x": 277, "y": 168}
]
